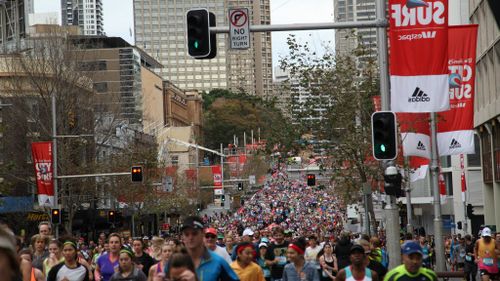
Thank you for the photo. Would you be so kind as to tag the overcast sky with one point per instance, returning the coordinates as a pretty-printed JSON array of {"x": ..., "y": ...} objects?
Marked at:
[{"x": 119, "y": 20}]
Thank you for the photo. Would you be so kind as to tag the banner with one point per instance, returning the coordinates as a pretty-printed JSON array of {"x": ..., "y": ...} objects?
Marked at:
[
  {"x": 462, "y": 177},
  {"x": 442, "y": 188},
  {"x": 217, "y": 172},
  {"x": 418, "y": 168},
  {"x": 42, "y": 161},
  {"x": 415, "y": 134},
  {"x": 419, "y": 55},
  {"x": 455, "y": 128}
]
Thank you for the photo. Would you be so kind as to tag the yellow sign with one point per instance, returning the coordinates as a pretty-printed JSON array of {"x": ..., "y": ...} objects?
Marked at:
[{"x": 37, "y": 217}]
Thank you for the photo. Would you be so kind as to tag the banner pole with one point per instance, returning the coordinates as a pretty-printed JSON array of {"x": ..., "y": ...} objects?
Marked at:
[
  {"x": 438, "y": 225},
  {"x": 54, "y": 156}
]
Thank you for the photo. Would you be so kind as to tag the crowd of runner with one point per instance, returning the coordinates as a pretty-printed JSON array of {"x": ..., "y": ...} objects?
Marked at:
[{"x": 286, "y": 232}]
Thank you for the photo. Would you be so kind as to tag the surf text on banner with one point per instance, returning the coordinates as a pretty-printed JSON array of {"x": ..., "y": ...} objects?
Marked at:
[{"x": 419, "y": 55}]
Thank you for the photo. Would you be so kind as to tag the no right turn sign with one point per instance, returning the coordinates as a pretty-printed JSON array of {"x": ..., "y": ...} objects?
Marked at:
[{"x": 239, "y": 28}]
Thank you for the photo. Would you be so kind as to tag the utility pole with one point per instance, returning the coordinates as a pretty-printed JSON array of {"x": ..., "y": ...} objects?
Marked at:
[
  {"x": 409, "y": 225},
  {"x": 54, "y": 156},
  {"x": 438, "y": 224}
]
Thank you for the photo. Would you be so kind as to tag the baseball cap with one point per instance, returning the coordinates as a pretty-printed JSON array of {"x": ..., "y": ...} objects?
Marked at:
[
  {"x": 211, "y": 230},
  {"x": 220, "y": 236},
  {"x": 357, "y": 248},
  {"x": 486, "y": 232},
  {"x": 411, "y": 248},
  {"x": 193, "y": 222},
  {"x": 264, "y": 240},
  {"x": 248, "y": 232},
  {"x": 262, "y": 245}
]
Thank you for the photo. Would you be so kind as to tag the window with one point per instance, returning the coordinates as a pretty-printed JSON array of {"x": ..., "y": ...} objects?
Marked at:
[
  {"x": 486, "y": 157},
  {"x": 474, "y": 160},
  {"x": 101, "y": 87},
  {"x": 496, "y": 151}
]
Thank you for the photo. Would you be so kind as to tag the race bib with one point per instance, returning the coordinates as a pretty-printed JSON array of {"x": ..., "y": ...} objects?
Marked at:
[
  {"x": 488, "y": 261},
  {"x": 468, "y": 258},
  {"x": 281, "y": 260}
]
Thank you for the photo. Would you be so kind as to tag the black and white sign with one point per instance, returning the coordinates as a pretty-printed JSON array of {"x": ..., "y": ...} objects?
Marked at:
[{"x": 239, "y": 28}]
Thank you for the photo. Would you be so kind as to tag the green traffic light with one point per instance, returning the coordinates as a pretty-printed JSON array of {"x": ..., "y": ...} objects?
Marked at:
[
  {"x": 196, "y": 44},
  {"x": 382, "y": 148}
]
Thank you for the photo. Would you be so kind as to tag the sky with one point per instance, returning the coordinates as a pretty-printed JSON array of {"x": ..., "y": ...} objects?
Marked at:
[{"x": 119, "y": 21}]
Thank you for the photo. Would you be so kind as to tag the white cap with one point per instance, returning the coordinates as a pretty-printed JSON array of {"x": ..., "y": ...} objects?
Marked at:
[
  {"x": 262, "y": 245},
  {"x": 486, "y": 232},
  {"x": 248, "y": 232}
]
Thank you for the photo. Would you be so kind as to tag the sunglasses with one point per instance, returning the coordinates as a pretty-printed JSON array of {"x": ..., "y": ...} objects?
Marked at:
[{"x": 210, "y": 236}]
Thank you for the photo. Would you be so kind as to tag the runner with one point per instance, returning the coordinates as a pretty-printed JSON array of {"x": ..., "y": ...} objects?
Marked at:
[
  {"x": 244, "y": 266},
  {"x": 485, "y": 252},
  {"x": 328, "y": 262},
  {"x": 299, "y": 269},
  {"x": 276, "y": 254},
  {"x": 157, "y": 271},
  {"x": 470, "y": 266},
  {"x": 70, "y": 269},
  {"x": 126, "y": 270},
  {"x": 357, "y": 271},
  {"x": 107, "y": 263},
  {"x": 210, "y": 243},
  {"x": 411, "y": 269},
  {"x": 142, "y": 259},
  {"x": 55, "y": 256},
  {"x": 209, "y": 266}
]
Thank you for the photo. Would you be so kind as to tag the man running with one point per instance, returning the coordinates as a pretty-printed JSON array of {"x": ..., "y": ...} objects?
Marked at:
[
  {"x": 357, "y": 271},
  {"x": 411, "y": 269},
  {"x": 485, "y": 252}
]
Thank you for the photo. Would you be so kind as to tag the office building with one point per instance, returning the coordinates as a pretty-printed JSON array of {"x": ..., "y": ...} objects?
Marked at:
[
  {"x": 160, "y": 30},
  {"x": 347, "y": 40},
  {"x": 14, "y": 21},
  {"x": 87, "y": 14}
]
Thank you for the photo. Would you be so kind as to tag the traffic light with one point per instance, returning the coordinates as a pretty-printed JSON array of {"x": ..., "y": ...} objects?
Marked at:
[
  {"x": 201, "y": 44},
  {"x": 55, "y": 217},
  {"x": 470, "y": 210},
  {"x": 240, "y": 186},
  {"x": 384, "y": 135},
  {"x": 111, "y": 216},
  {"x": 311, "y": 179},
  {"x": 459, "y": 225},
  {"x": 198, "y": 207},
  {"x": 136, "y": 174},
  {"x": 392, "y": 185}
]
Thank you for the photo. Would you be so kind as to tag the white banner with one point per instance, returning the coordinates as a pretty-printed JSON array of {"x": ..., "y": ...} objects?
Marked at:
[{"x": 415, "y": 144}]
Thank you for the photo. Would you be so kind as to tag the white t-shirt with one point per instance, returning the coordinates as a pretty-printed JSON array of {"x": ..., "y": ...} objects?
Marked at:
[
  {"x": 223, "y": 253},
  {"x": 312, "y": 253}
]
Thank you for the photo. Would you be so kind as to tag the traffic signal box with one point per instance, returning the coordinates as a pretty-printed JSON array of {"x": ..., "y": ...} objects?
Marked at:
[
  {"x": 201, "y": 44},
  {"x": 111, "y": 216},
  {"x": 311, "y": 179},
  {"x": 393, "y": 185},
  {"x": 55, "y": 216},
  {"x": 384, "y": 135},
  {"x": 136, "y": 173}
]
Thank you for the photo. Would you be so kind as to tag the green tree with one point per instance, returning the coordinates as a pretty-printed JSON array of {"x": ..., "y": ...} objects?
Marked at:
[
  {"x": 337, "y": 111},
  {"x": 227, "y": 114}
]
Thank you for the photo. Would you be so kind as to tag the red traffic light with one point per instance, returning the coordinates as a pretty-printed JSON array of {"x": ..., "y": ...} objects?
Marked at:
[{"x": 311, "y": 179}]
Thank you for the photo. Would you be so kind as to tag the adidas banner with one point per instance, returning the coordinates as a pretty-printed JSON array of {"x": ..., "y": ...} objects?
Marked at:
[
  {"x": 418, "y": 168},
  {"x": 415, "y": 134},
  {"x": 455, "y": 126},
  {"x": 42, "y": 160},
  {"x": 419, "y": 55}
]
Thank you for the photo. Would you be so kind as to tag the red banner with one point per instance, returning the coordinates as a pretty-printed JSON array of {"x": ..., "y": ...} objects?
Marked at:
[
  {"x": 42, "y": 160},
  {"x": 419, "y": 55},
  {"x": 456, "y": 126},
  {"x": 415, "y": 134},
  {"x": 217, "y": 172}
]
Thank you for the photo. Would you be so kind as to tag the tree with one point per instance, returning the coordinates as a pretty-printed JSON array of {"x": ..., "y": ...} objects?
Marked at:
[
  {"x": 337, "y": 111},
  {"x": 227, "y": 114}
]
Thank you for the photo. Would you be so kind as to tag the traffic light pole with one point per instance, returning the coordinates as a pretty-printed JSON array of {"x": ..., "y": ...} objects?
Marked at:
[
  {"x": 54, "y": 156},
  {"x": 438, "y": 224}
]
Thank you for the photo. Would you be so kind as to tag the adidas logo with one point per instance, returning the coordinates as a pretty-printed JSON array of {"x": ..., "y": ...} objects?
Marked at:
[
  {"x": 428, "y": 34},
  {"x": 420, "y": 146},
  {"x": 455, "y": 144},
  {"x": 419, "y": 96}
]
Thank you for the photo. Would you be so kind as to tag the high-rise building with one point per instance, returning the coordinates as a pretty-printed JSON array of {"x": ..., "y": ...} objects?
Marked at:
[
  {"x": 160, "y": 30},
  {"x": 14, "y": 20},
  {"x": 347, "y": 40},
  {"x": 87, "y": 14}
]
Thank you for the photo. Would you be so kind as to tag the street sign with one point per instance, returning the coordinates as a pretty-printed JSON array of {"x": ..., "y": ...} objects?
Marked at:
[
  {"x": 219, "y": 191},
  {"x": 239, "y": 28}
]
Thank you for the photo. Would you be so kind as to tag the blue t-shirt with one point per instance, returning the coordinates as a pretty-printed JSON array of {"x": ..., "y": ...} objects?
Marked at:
[{"x": 107, "y": 268}]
